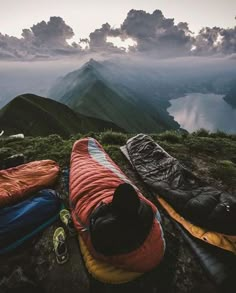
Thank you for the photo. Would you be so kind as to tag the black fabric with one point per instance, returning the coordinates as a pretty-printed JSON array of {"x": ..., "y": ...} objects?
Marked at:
[
  {"x": 125, "y": 202},
  {"x": 218, "y": 263},
  {"x": 192, "y": 198},
  {"x": 112, "y": 234}
]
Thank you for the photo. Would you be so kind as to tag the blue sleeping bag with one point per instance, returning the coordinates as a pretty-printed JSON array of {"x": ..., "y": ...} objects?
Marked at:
[{"x": 22, "y": 221}]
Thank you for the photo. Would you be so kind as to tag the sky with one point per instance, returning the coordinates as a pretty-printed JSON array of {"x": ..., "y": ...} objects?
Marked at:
[
  {"x": 47, "y": 29},
  {"x": 86, "y": 16}
]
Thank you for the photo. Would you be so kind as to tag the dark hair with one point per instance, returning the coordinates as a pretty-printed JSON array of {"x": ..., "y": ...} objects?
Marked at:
[{"x": 125, "y": 201}]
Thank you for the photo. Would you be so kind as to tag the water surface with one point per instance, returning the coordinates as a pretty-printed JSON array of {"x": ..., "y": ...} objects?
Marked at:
[{"x": 209, "y": 111}]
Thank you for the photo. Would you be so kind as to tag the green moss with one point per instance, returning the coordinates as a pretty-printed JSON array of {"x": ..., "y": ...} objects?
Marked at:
[{"x": 225, "y": 171}]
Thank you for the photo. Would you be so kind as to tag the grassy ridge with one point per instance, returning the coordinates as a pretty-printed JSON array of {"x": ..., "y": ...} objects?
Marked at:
[
  {"x": 38, "y": 116},
  {"x": 209, "y": 155}
]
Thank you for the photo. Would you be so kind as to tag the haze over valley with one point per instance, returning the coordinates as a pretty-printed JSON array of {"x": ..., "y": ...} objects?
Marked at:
[{"x": 132, "y": 86}]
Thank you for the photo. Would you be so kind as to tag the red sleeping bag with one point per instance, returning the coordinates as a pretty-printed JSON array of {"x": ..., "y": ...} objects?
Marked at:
[
  {"x": 93, "y": 178},
  {"x": 19, "y": 182}
]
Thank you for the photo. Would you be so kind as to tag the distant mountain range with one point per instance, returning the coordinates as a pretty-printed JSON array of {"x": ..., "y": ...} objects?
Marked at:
[
  {"x": 37, "y": 116},
  {"x": 92, "y": 91},
  {"x": 124, "y": 95}
]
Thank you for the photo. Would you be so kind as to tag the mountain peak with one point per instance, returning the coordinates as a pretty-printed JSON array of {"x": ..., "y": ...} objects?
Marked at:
[{"x": 92, "y": 64}]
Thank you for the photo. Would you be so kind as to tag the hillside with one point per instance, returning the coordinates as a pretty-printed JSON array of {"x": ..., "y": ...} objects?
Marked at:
[
  {"x": 37, "y": 116},
  {"x": 91, "y": 91}
]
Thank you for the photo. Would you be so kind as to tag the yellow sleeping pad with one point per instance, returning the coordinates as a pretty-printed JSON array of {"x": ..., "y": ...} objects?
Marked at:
[
  {"x": 105, "y": 272},
  {"x": 217, "y": 239}
]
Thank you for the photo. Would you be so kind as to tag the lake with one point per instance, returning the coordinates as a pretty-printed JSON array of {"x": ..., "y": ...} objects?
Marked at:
[{"x": 208, "y": 111}]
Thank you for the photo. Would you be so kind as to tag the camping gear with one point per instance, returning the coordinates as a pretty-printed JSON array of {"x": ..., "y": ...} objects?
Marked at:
[
  {"x": 219, "y": 264},
  {"x": 19, "y": 182},
  {"x": 24, "y": 220},
  {"x": 18, "y": 135},
  {"x": 103, "y": 271},
  {"x": 60, "y": 247},
  {"x": 66, "y": 219},
  {"x": 93, "y": 178},
  {"x": 207, "y": 213}
]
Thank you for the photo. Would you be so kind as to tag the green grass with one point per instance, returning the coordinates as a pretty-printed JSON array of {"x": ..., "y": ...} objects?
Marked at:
[
  {"x": 113, "y": 138},
  {"x": 211, "y": 157},
  {"x": 225, "y": 170},
  {"x": 32, "y": 115}
]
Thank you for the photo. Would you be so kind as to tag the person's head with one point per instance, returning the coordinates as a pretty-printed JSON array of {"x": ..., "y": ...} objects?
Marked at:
[{"x": 125, "y": 202}]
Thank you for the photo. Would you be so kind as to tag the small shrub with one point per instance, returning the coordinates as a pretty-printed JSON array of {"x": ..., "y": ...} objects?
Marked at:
[
  {"x": 185, "y": 135},
  {"x": 155, "y": 136},
  {"x": 201, "y": 133},
  {"x": 219, "y": 134},
  {"x": 76, "y": 136},
  {"x": 113, "y": 138},
  {"x": 171, "y": 136},
  {"x": 92, "y": 134},
  {"x": 54, "y": 138}
]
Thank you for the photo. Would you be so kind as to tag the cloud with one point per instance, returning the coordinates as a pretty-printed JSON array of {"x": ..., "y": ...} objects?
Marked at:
[
  {"x": 229, "y": 40},
  {"x": 98, "y": 39},
  {"x": 152, "y": 33},
  {"x": 42, "y": 41},
  {"x": 215, "y": 40},
  {"x": 53, "y": 33}
]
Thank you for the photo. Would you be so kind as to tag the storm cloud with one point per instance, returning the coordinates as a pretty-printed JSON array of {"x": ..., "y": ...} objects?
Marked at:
[
  {"x": 152, "y": 33},
  {"x": 98, "y": 39},
  {"x": 53, "y": 33},
  {"x": 215, "y": 40},
  {"x": 42, "y": 40}
]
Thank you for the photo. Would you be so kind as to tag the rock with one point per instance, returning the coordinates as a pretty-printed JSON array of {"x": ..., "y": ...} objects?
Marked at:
[{"x": 33, "y": 267}]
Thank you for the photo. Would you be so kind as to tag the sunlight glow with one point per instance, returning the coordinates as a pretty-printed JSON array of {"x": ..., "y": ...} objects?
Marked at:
[
  {"x": 219, "y": 40},
  {"x": 124, "y": 44},
  {"x": 193, "y": 48}
]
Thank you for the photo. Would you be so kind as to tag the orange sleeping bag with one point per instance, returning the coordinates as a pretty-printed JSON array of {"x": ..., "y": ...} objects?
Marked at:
[
  {"x": 19, "y": 182},
  {"x": 93, "y": 178}
]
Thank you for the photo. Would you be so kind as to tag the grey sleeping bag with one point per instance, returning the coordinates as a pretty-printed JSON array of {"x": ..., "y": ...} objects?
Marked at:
[{"x": 192, "y": 198}]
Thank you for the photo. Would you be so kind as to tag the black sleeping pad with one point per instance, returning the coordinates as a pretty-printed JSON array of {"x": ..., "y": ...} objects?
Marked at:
[{"x": 219, "y": 264}]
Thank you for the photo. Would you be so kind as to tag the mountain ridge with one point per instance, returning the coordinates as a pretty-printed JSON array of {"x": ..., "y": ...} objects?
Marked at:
[
  {"x": 84, "y": 89},
  {"x": 35, "y": 115}
]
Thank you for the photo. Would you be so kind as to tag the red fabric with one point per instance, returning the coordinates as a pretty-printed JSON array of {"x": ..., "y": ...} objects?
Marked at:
[
  {"x": 19, "y": 182},
  {"x": 91, "y": 183}
]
